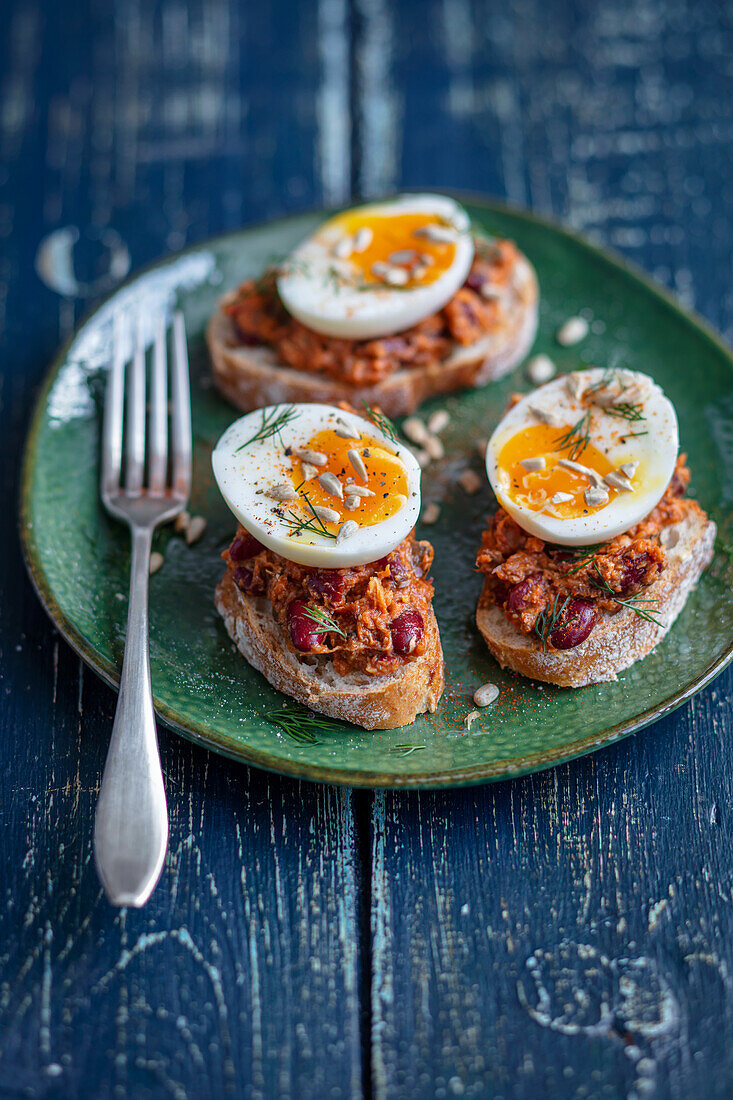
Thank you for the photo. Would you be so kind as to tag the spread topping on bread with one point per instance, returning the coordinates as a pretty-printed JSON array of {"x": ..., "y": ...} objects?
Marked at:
[
  {"x": 319, "y": 486},
  {"x": 585, "y": 457}
]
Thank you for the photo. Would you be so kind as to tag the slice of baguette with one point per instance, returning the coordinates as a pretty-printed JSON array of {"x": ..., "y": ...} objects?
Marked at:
[
  {"x": 373, "y": 702},
  {"x": 251, "y": 377},
  {"x": 616, "y": 641}
]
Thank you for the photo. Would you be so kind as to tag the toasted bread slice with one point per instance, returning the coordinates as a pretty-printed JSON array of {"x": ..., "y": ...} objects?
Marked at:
[
  {"x": 616, "y": 641},
  {"x": 374, "y": 702},
  {"x": 252, "y": 377}
]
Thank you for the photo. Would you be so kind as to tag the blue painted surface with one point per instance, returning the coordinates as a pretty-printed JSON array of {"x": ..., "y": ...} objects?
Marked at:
[{"x": 565, "y": 935}]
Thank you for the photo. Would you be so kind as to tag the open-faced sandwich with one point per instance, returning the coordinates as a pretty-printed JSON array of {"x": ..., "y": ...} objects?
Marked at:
[
  {"x": 389, "y": 303},
  {"x": 595, "y": 547},
  {"x": 326, "y": 590}
]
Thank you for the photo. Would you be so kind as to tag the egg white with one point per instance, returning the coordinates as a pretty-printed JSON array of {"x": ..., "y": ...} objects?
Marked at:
[
  {"x": 244, "y": 475},
  {"x": 656, "y": 453},
  {"x": 311, "y": 295}
]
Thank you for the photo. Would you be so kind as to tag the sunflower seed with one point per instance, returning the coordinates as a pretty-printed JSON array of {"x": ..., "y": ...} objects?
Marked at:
[
  {"x": 470, "y": 482},
  {"x": 576, "y": 385},
  {"x": 595, "y": 496},
  {"x": 346, "y": 530},
  {"x": 471, "y": 717},
  {"x": 346, "y": 429},
  {"x": 415, "y": 430},
  {"x": 434, "y": 447},
  {"x": 547, "y": 416},
  {"x": 629, "y": 468},
  {"x": 618, "y": 481},
  {"x": 156, "y": 560},
  {"x": 332, "y": 485},
  {"x": 403, "y": 256},
  {"x": 327, "y": 515},
  {"x": 418, "y": 272},
  {"x": 195, "y": 530},
  {"x": 431, "y": 513},
  {"x": 363, "y": 239},
  {"x": 344, "y": 248},
  {"x": 309, "y": 471},
  {"x": 486, "y": 694},
  {"x": 314, "y": 457},
  {"x": 561, "y": 498},
  {"x": 358, "y": 490},
  {"x": 358, "y": 463},
  {"x": 573, "y": 331},
  {"x": 426, "y": 260},
  {"x": 533, "y": 464},
  {"x": 182, "y": 521},
  {"x": 442, "y": 234},
  {"x": 396, "y": 276},
  {"x": 351, "y": 502},
  {"x": 595, "y": 479},
  {"x": 437, "y": 421},
  {"x": 540, "y": 369},
  {"x": 284, "y": 491}
]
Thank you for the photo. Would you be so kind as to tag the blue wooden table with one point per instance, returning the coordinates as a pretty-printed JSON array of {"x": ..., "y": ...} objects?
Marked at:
[{"x": 569, "y": 934}]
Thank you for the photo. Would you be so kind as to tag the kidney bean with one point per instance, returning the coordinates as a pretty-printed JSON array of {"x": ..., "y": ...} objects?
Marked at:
[
  {"x": 302, "y": 629},
  {"x": 474, "y": 281},
  {"x": 519, "y": 593},
  {"x": 579, "y": 618},
  {"x": 244, "y": 546},
  {"x": 244, "y": 578},
  {"x": 407, "y": 630},
  {"x": 329, "y": 583},
  {"x": 500, "y": 593}
]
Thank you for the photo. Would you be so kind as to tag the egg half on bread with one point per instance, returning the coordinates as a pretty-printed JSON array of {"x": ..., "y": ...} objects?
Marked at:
[
  {"x": 585, "y": 457},
  {"x": 379, "y": 269},
  {"x": 318, "y": 486}
]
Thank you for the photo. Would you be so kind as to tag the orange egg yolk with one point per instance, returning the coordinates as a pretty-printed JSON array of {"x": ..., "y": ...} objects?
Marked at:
[
  {"x": 386, "y": 477},
  {"x": 535, "y": 490},
  {"x": 395, "y": 233}
]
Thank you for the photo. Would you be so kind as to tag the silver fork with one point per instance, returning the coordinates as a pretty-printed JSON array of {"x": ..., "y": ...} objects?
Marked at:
[{"x": 131, "y": 824}]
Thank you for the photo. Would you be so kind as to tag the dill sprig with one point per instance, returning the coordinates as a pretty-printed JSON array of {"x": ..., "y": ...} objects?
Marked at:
[
  {"x": 320, "y": 616},
  {"x": 382, "y": 422},
  {"x": 313, "y": 523},
  {"x": 626, "y": 411},
  {"x": 576, "y": 439},
  {"x": 273, "y": 422},
  {"x": 638, "y": 604},
  {"x": 406, "y": 750},
  {"x": 301, "y": 726},
  {"x": 548, "y": 620},
  {"x": 580, "y": 556}
]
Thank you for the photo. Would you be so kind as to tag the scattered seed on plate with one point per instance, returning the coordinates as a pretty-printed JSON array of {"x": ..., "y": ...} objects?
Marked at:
[
  {"x": 629, "y": 468},
  {"x": 486, "y": 694},
  {"x": 471, "y": 717},
  {"x": 351, "y": 502},
  {"x": 346, "y": 429},
  {"x": 415, "y": 430},
  {"x": 358, "y": 490},
  {"x": 546, "y": 416},
  {"x": 434, "y": 447},
  {"x": 441, "y": 234},
  {"x": 430, "y": 513},
  {"x": 403, "y": 256},
  {"x": 181, "y": 523},
  {"x": 346, "y": 530},
  {"x": 309, "y": 471},
  {"x": 328, "y": 515},
  {"x": 595, "y": 496},
  {"x": 561, "y": 498},
  {"x": 438, "y": 421},
  {"x": 470, "y": 482},
  {"x": 195, "y": 529},
  {"x": 533, "y": 464},
  {"x": 358, "y": 464},
  {"x": 363, "y": 239},
  {"x": 578, "y": 468},
  {"x": 573, "y": 331},
  {"x": 344, "y": 248},
  {"x": 332, "y": 485},
  {"x": 316, "y": 458},
  {"x": 576, "y": 385},
  {"x": 282, "y": 492},
  {"x": 618, "y": 481},
  {"x": 156, "y": 560},
  {"x": 540, "y": 369}
]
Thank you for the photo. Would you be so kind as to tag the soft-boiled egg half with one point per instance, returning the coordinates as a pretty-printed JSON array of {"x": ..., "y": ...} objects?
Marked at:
[
  {"x": 585, "y": 457},
  {"x": 379, "y": 269},
  {"x": 318, "y": 486}
]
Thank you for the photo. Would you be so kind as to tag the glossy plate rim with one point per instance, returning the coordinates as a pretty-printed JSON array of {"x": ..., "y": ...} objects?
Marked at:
[{"x": 510, "y": 768}]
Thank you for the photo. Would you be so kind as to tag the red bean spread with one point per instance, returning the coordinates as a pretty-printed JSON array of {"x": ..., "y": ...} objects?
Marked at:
[
  {"x": 261, "y": 318},
  {"x": 380, "y": 609},
  {"x": 536, "y": 583}
]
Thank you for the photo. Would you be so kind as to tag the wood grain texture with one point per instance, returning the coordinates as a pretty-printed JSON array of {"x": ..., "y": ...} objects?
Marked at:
[{"x": 564, "y": 935}]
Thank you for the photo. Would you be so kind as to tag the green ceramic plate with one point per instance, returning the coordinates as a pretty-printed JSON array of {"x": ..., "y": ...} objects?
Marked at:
[{"x": 78, "y": 556}]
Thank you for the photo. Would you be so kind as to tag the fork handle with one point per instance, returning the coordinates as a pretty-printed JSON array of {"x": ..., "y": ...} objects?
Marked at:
[{"x": 131, "y": 824}]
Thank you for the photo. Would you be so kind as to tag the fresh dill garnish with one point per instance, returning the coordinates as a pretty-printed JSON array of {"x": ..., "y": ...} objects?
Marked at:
[
  {"x": 576, "y": 439},
  {"x": 273, "y": 422},
  {"x": 320, "y": 616},
  {"x": 638, "y": 604},
  {"x": 301, "y": 726},
  {"x": 406, "y": 750},
  {"x": 548, "y": 620},
  {"x": 382, "y": 422},
  {"x": 585, "y": 555},
  {"x": 312, "y": 523},
  {"x": 626, "y": 411}
]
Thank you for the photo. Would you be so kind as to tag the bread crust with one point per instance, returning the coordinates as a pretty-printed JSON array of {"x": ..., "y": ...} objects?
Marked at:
[
  {"x": 617, "y": 641},
  {"x": 373, "y": 702},
  {"x": 252, "y": 377}
]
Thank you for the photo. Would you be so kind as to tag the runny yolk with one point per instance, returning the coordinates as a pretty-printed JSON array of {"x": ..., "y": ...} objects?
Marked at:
[
  {"x": 395, "y": 233},
  {"x": 386, "y": 477},
  {"x": 535, "y": 490}
]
